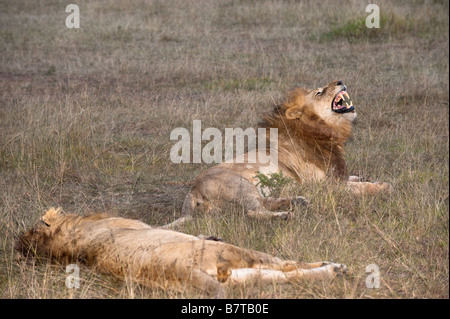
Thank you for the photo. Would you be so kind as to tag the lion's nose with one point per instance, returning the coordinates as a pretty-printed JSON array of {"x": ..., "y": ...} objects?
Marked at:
[{"x": 340, "y": 82}]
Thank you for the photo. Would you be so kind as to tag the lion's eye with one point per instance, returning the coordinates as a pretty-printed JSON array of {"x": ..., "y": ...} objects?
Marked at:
[{"x": 318, "y": 93}]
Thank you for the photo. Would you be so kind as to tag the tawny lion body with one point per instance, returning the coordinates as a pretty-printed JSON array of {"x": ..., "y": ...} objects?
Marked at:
[
  {"x": 313, "y": 126},
  {"x": 133, "y": 249}
]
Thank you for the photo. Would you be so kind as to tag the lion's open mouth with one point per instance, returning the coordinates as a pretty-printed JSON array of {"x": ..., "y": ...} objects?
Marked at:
[{"x": 342, "y": 103}]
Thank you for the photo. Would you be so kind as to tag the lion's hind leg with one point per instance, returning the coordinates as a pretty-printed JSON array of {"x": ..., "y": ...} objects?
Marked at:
[
  {"x": 270, "y": 207},
  {"x": 259, "y": 207},
  {"x": 240, "y": 265},
  {"x": 266, "y": 275},
  {"x": 284, "y": 203},
  {"x": 223, "y": 188}
]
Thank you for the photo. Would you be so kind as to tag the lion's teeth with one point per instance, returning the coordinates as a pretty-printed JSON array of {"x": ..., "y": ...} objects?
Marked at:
[{"x": 348, "y": 106}]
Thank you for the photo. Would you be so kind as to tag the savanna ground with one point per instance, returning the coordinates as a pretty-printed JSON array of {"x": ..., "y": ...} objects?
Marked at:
[{"x": 86, "y": 116}]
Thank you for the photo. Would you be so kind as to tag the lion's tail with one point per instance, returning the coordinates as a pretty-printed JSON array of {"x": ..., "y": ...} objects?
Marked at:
[
  {"x": 187, "y": 211},
  {"x": 188, "y": 204}
]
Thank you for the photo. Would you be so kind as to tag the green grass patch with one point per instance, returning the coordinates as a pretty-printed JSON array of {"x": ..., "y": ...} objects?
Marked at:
[{"x": 392, "y": 26}]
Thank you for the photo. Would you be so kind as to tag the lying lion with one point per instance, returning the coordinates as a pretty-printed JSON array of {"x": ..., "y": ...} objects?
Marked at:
[
  {"x": 313, "y": 126},
  {"x": 133, "y": 249}
]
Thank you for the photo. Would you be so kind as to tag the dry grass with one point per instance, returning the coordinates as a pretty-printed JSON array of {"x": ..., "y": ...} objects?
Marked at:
[{"x": 86, "y": 116}]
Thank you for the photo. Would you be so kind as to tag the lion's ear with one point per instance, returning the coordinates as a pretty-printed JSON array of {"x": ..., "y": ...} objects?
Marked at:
[
  {"x": 51, "y": 214},
  {"x": 293, "y": 113}
]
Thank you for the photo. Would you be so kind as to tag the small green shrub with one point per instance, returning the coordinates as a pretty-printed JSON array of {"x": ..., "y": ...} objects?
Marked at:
[{"x": 273, "y": 184}]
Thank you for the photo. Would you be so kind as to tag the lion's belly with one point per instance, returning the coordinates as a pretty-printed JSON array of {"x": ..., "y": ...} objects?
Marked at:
[
  {"x": 153, "y": 237},
  {"x": 304, "y": 172}
]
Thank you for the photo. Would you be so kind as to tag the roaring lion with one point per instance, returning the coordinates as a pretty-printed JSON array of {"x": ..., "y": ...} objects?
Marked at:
[
  {"x": 132, "y": 249},
  {"x": 313, "y": 126}
]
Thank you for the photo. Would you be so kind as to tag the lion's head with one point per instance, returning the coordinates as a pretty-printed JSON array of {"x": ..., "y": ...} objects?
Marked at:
[
  {"x": 330, "y": 103},
  {"x": 37, "y": 240},
  {"x": 314, "y": 125}
]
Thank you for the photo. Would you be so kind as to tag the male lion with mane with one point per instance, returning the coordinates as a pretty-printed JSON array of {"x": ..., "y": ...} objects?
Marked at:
[
  {"x": 313, "y": 126},
  {"x": 132, "y": 249}
]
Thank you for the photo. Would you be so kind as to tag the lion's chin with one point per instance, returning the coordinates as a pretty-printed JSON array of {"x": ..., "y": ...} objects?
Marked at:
[{"x": 351, "y": 116}]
